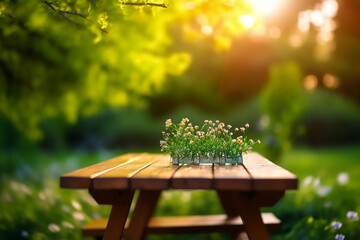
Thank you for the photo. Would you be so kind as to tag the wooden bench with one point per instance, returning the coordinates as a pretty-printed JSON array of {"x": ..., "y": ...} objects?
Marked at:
[
  {"x": 242, "y": 190},
  {"x": 187, "y": 224}
]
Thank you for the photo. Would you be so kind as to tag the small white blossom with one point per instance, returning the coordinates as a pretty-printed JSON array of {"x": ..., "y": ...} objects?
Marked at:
[
  {"x": 343, "y": 178},
  {"x": 323, "y": 191},
  {"x": 352, "y": 215},
  {"x": 54, "y": 228}
]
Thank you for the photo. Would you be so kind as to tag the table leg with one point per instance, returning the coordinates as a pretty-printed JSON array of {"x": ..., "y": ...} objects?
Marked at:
[
  {"x": 251, "y": 216},
  {"x": 119, "y": 212},
  {"x": 230, "y": 208},
  {"x": 143, "y": 211}
]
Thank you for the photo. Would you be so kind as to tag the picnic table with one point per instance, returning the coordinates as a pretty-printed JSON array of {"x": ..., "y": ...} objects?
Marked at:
[{"x": 242, "y": 190}]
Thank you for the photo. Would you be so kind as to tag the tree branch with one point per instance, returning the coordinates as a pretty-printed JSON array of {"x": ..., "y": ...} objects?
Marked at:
[
  {"x": 62, "y": 13},
  {"x": 145, "y": 3}
]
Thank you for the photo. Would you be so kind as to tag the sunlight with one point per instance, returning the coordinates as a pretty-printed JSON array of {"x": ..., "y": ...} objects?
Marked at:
[
  {"x": 247, "y": 20},
  {"x": 266, "y": 7}
]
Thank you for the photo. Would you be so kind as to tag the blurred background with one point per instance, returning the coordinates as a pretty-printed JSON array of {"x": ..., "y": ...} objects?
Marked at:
[{"x": 83, "y": 81}]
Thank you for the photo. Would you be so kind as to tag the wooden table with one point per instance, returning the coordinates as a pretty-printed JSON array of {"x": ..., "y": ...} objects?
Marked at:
[{"x": 242, "y": 190}]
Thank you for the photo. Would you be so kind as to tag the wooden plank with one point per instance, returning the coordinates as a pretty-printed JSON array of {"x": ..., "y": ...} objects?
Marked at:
[
  {"x": 118, "y": 178},
  {"x": 193, "y": 177},
  {"x": 81, "y": 178},
  {"x": 155, "y": 177},
  {"x": 231, "y": 177},
  {"x": 267, "y": 175},
  {"x": 187, "y": 224}
]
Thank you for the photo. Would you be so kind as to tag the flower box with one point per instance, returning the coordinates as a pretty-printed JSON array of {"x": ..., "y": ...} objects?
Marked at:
[{"x": 211, "y": 143}]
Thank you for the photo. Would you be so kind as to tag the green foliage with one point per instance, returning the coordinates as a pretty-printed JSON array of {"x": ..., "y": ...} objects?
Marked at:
[{"x": 283, "y": 103}]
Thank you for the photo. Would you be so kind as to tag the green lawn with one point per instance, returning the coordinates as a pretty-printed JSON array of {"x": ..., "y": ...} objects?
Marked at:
[{"x": 32, "y": 206}]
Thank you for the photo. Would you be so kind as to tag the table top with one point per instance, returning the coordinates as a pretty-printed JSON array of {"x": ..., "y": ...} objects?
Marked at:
[{"x": 154, "y": 172}]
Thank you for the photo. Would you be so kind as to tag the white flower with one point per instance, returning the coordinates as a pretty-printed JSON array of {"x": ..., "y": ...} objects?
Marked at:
[
  {"x": 78, "y": 216},
  {"x": 67, "y": 225},
  {"x": 54, "y": 228},
  {"x": 316, "y": 182},
  {"x": 307, "y": 180},
  {"x": 247, "y": 125},
  {"x": 76, "y": 205},
  {"x": 343, "y": 178},
  {"x": 352, "y": 215},
  {"x": 323, "y": 191},
  {"x": 336, "y": 225}
]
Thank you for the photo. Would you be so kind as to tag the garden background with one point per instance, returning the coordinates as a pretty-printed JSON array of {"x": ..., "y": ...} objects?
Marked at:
[{"x": 83, "y": 81}]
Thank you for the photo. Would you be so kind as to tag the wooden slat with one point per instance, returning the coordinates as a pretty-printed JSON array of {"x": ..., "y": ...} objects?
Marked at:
[
  {"x": 267, "y": 175},
  {"x": 193, "y": 177},
  {"x": 81, "y": 178},
  {"x": 155, "y": 177},
  {"x": 231, "y": 177},
  {"x": 118, "y": 178},
  {"x": 188, "y": 224}
]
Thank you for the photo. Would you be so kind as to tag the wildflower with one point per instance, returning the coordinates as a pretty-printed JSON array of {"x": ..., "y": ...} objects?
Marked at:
[
  {"x": 242, "y": 129},
  {"x": 251, "y": 141},
  {"x": 67, "y": 225},
  {"x": 24, "y": 234},
  {"x": 231, "y": 134},
  {"x": 352, "y": 216},
  {"x": 339, "y": 237},
  {"x": 247, "y": 125},
  {"x": 217, "y": 121},
  {"x": 206, "y": 121},
  {"x": 168, "y": 123},
  {"x": 189, "y": 134},
  {"x": 78, "y": 216},
  {"x": 162, "y": 142},
  {"x": 189, "y": 125},
  {"x": 323, "y": 191},
  {"x": 234, "y": 140},
  {"x": 54, "y": 228},
  {"x": 343, "y": 178},
  {"x": 192, "y": 142},
  {"x": 229, "y": 126},
  {"x": 236, "y": 129},
  {"x": 336, "y": 225},
  {"x": 250, "y": 148},
  {"x": 258, "y": 141},
  {"x": 226, "y": 131},
  {"x": 163, "y": 132},
  {"x": 76, "y": 205},
  {"x": 307, "y": 180},
  {"x": 196, "y": 127}
]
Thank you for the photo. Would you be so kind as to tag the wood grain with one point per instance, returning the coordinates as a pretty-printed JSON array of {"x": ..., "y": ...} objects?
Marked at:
[
  {"x": 81, "y": 178},
  {"x": 268, "y": 176},
  {"x": 155, "y": 177},
  {"x": 231, "y": 177},
  {"x": 193, "y": 177},
  {"x": 118, "y": 178}
]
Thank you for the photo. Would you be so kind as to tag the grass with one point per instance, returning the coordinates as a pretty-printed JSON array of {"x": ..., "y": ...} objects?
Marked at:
[{"x": 32, "y": 206}]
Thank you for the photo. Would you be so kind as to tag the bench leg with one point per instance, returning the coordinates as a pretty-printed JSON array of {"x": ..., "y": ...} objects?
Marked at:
[
  {"x": 119, "y": 212},
  {"x": 143, "y": 211}
]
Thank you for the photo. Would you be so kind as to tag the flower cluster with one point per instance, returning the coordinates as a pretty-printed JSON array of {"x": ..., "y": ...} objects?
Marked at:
[
  {"x": 352, "y": 216},
  {"x": 213, "y": 140}
]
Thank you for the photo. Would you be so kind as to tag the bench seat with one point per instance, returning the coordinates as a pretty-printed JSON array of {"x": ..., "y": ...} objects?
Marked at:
[{"x": 186, "y": 224}]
